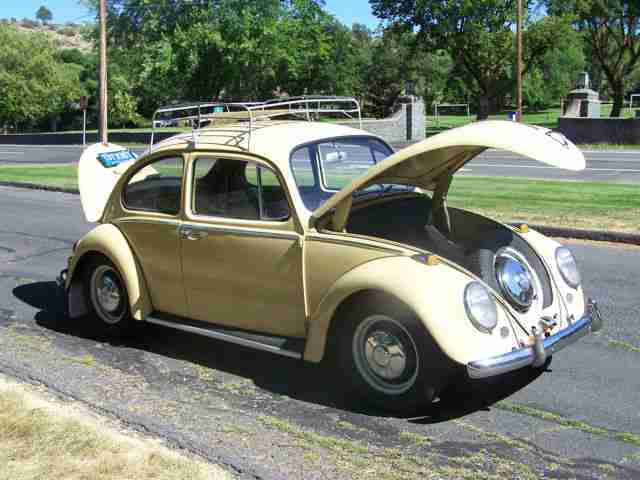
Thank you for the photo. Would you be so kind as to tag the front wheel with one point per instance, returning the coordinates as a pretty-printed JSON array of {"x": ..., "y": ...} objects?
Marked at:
[
  {"x": 387, "y": 357},
  {"x": 107, "y": 298}
]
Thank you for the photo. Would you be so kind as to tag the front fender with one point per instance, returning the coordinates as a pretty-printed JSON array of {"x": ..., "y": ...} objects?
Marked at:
[
  {"x": 546, "y": 248},
  {"x": 109, "y": 241},
  {"x": 433, "y": 292}
]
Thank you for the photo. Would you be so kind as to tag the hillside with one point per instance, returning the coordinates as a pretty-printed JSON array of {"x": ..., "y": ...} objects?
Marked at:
[{"x": 64, "y": 36}]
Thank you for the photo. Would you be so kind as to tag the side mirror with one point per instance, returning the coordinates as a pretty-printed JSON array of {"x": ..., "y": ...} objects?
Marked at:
[{"x": 337, "y": 156}]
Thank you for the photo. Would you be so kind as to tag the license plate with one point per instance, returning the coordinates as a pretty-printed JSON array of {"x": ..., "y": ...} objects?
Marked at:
[{"x": 113, "y": 159}]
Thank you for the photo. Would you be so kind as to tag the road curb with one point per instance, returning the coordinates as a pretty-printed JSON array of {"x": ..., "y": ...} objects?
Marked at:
[
  {"x": 35, "y": 186},
  {"x": 597, "y": 235}
]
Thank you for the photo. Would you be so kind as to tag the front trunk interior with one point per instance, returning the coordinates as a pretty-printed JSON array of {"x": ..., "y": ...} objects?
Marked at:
[{"x": 454, "y": 234}]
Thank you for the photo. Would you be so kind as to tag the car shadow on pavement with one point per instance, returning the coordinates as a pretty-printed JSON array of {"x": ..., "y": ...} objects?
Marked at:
[{"x": 282, "y": 376}]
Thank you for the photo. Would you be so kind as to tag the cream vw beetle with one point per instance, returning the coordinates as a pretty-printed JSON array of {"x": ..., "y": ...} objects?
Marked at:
[{"x": 315, "y": 240}]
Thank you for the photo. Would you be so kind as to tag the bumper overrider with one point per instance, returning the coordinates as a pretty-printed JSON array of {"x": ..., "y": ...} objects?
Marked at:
[
  {"x": 61, "y": 279},
  {"x": 543, "y": 347}
]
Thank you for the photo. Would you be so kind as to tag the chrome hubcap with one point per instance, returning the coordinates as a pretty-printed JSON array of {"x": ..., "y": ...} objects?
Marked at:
[
  {"x": 385, "y": 355},
  {"x": 107, "y": 294}
]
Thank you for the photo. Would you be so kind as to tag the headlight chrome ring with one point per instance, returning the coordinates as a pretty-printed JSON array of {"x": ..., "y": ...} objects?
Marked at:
[
  {"x": 515, "y": 279},
  {"x": 480, "y": 307}
]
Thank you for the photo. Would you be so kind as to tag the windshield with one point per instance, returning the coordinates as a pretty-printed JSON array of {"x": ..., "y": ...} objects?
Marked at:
[{"x": 323, "y": 168}]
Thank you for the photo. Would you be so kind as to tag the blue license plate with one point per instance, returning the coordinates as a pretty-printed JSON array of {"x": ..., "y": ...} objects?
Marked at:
[{"x": 113, "y": 159}]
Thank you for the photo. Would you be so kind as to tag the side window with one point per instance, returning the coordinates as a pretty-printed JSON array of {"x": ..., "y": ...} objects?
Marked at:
[
  {"x": 157, "y": 187},
  {"x": 302, "y": 167},
  {"x": 275, "y": 205},
  {"x": 342, "y": 161},
  {"x": 237, "y": 189}
]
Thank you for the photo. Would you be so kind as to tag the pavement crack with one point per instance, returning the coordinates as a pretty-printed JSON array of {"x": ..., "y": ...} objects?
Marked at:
[
  {"x": 624, "y": 437},
  {"x": 36, "y": 255},
  {"x": 41, "y": 237},
  {"x": 624, "y": 345}
]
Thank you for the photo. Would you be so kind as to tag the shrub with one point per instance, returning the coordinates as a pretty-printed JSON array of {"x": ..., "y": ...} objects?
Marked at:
[
  {"x": 68, "y": 31},
  {"x": 27, "y": 23}
]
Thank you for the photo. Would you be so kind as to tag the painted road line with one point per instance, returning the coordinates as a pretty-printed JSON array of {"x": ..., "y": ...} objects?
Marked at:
[{"x": 628, "y": 170}]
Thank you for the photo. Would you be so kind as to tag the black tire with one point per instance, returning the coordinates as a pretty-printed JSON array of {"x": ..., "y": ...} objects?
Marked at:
[
  {"x": 108, "y": 309},
  {"x": 426, "y": 369},
  {"x": 481, "y": 260}
]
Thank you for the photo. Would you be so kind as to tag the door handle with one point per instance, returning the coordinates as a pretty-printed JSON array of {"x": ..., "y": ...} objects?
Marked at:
[{"x": 191, "y": 234}]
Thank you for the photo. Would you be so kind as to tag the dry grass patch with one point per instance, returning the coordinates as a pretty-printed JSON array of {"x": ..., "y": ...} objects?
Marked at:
[{"x": 44, "y": 438}]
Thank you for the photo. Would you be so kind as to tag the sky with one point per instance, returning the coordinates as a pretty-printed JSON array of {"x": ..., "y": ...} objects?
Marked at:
[
  {"x": 352, "y": 11},
  {"x": 347, "y": 11}
]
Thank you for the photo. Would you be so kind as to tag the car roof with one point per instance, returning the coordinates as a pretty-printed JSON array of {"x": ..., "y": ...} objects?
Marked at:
[{"x": 273, "y": 140}]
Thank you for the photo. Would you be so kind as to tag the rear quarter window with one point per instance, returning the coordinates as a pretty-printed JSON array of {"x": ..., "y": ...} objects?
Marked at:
[{"x": 156, "y": 187}]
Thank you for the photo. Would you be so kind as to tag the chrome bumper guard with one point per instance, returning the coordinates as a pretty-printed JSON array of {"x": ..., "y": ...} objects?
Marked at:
[
  {"x": 543, "y": 347},
  {"x": 61, "y": 279}
]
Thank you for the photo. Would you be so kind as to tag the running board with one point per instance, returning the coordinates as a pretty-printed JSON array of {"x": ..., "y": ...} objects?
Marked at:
[{"x": 268, "y": 343}]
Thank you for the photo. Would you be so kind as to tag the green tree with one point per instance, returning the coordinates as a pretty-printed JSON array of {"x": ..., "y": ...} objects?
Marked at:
[
  {"x": 44, "y": 15},
  {"x": 612, "y": 32},
  {"x": 479, "y": 36},
  {"x": 555, "y": 75},
  {"x": 238, "y": 49},
  {"x": 36, "y": 84}
]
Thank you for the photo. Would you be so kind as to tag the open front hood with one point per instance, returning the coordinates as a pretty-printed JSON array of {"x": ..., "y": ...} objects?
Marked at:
[
  {"x": 423, "y": 163},
  {"x": 99, "y": 169}
]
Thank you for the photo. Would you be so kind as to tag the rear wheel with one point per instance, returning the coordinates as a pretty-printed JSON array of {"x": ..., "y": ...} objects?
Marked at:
[
  {"x": 387, "y": 357},
  {"x": 107, "y": 298}
]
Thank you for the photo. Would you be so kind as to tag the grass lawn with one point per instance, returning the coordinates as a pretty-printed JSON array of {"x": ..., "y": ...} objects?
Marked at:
[
  {"x": 595, "y": 205},
  {"x": 50, "y": 175},
  {"x": 588, "y": 205},
  {"x": 43, "y": 438}
]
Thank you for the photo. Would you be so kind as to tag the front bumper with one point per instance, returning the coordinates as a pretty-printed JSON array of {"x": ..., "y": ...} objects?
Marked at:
[{"x": 543, "y": 347}]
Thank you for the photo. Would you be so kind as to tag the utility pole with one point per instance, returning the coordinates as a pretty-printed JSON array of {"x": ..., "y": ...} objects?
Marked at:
[
  {"x": 519, "y": 63},
  {"x": 102, "y": 117}
]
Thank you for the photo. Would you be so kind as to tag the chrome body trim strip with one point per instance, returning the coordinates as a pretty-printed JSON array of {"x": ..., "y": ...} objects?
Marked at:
[
  {"x": 149, "y": 221},
  {"x": 224, "y": 336},
  {"x": 490, "y": 367},
  {"x": 241, "y": 231}
]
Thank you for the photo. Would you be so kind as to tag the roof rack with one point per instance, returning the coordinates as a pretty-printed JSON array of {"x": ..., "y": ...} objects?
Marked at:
[{"x": 307, "y": 108}]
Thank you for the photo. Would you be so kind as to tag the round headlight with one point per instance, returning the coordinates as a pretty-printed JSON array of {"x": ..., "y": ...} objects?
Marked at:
[
  {"x": 480, "y": 307},
  {"x": 568, "y": 267},
  {"x": 515, "y": 281}
]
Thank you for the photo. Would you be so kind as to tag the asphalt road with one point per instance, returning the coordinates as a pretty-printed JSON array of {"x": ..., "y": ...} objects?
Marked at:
[
  {"x": 272, "y": 417},
  {"x": 611, "y": 166}
]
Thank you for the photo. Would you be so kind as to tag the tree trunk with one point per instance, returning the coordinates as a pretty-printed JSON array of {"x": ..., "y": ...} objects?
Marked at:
[
  {"x": 618, "y": 101},
  {"x": 483, "y": 107}
]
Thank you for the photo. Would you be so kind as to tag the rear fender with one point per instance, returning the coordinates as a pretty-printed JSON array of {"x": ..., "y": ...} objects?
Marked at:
[
  {"x": 109, "y": 241},
  {"x": 435, "y": 295}
]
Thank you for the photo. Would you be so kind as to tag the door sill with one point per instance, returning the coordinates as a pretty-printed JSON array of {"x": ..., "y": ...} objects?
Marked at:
[{"x": 288, "y": 347}]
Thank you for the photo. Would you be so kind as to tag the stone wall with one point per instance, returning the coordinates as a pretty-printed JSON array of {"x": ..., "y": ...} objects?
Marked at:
[
  {"x": 601, "y": 130},
  {"x": 406, "y": 125}
]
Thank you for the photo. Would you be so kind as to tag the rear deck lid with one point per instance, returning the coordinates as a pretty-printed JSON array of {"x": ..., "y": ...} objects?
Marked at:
[
  {"x": 423, "y": 163},
  {"x": 99, "y": 169}
]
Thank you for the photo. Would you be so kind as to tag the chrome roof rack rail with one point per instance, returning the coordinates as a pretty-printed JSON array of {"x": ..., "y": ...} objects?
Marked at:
[{"x": 308, "y": 108}]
